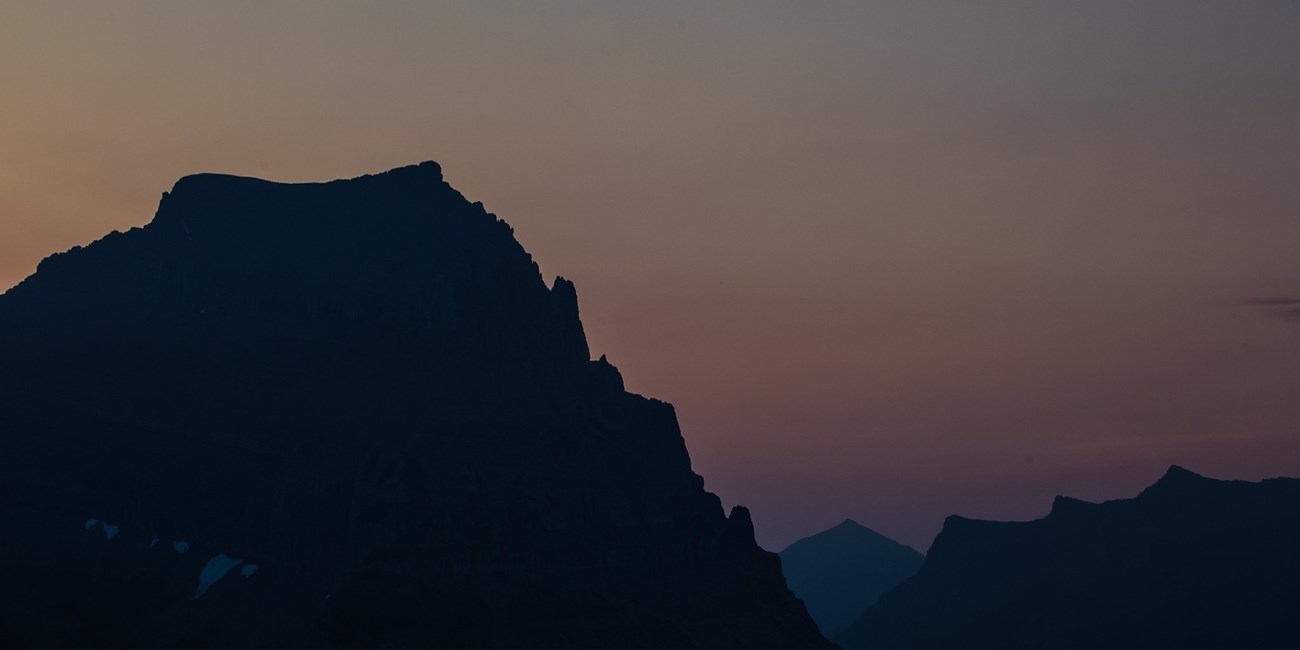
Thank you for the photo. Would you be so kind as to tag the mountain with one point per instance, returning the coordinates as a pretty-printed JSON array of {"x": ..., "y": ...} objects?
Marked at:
[
  {"x": 346, "y": 414},
  {"x": 839, "y": 572},
  {"x": 1191, "y": 562}
]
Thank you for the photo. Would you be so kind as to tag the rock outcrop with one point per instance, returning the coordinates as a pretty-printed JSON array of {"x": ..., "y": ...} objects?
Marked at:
[
  {"x": 839, "y": 572},
  {"x": 347, "y": 414},
  {"x": 1191, "y": 562}
]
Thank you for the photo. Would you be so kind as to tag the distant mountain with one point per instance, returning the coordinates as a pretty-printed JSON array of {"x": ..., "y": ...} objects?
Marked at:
[
  {"x": 1191, "y": 562},
  {"x": 839, "y": 572},
  {"x": 346, "y": 414}
]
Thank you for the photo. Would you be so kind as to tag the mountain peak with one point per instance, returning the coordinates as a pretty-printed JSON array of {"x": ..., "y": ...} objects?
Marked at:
[
  {"x": 1192, "y": 562},
  {"x": 1177, "y": 481},
  {"x": 424, "y": 173},
  {"x": 840, "y": 571},
  {"x": 1180, "y": 473},
  {"x": 1064, "y": 504},
  {"x": 366, "y": 387}
]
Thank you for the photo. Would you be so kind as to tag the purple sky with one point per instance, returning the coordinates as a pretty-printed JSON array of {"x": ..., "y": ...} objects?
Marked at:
[{"x": 890, "y": 260}]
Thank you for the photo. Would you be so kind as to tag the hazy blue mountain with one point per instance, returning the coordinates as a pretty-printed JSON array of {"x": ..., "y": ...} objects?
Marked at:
[
  {"x": 839, "y": 572},
  {"x": 1190, "y": 562}
]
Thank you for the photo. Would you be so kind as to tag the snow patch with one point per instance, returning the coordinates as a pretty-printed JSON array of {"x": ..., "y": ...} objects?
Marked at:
[
  {"x": 248, "y": 570},
  {"x": 110, "y": 531},
  {"x": 216, "y": 569},
  {"x": 180, "y": 547},
  {"x": 90, "y": 523}
]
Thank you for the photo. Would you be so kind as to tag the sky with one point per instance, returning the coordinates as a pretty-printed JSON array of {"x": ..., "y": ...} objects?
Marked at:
[{"x": 891, "y": 261}]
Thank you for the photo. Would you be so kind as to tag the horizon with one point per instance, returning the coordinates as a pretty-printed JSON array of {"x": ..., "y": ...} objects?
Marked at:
[{"x": 1021, "y": 252}]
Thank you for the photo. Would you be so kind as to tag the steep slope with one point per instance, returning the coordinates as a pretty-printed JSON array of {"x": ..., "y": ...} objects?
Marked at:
[
  {"x": 1189, "y": 563},
  {"x": 347, "y": 414},
  {"x": 839, "y": 572}
]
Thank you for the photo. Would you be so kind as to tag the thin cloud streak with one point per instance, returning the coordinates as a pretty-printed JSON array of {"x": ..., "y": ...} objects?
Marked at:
[{"x": 1284, "y": 308}]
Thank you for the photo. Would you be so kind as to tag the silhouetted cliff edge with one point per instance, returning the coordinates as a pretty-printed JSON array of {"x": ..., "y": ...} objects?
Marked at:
[
  {"x": 346, "y": 414},
  {"x": 1191, "y": 562}
]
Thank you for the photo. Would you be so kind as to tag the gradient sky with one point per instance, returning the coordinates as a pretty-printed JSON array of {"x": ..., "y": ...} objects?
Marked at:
[{"x": 890, "y": 260}]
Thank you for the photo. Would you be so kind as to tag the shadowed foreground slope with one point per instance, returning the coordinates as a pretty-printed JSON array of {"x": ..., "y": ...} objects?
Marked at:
[
  {"x": 347, "y": 414},
  {"x": 1189, "y": 563}
]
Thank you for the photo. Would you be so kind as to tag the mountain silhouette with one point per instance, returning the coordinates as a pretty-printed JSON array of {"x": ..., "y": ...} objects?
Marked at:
[
  {"x": 1191, "y": 562},
  {"x": 839, "y": 572},
  {"x": 346, "y": 414}
]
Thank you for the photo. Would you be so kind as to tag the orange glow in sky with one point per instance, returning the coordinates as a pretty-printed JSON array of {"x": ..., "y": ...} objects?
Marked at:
[{"x": 890, "y": 260}]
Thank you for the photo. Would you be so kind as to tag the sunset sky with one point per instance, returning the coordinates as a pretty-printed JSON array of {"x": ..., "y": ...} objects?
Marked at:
[{"x": 890, "y": 260}]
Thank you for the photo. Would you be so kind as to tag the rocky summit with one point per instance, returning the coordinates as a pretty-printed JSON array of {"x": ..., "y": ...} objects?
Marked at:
[{"x": 346, "y": 414}]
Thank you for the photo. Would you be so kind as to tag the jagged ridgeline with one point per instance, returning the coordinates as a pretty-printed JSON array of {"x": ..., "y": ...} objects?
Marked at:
[
  {"x": 1191, "y": 562},
  {"x": 346, "y": 414}
]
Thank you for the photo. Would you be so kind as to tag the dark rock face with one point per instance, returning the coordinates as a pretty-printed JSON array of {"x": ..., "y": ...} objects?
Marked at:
[
  {"x": 363, "y": 394},
  {"x": 840, "y": 572},
  {"x": 1190, "y": 563}
]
